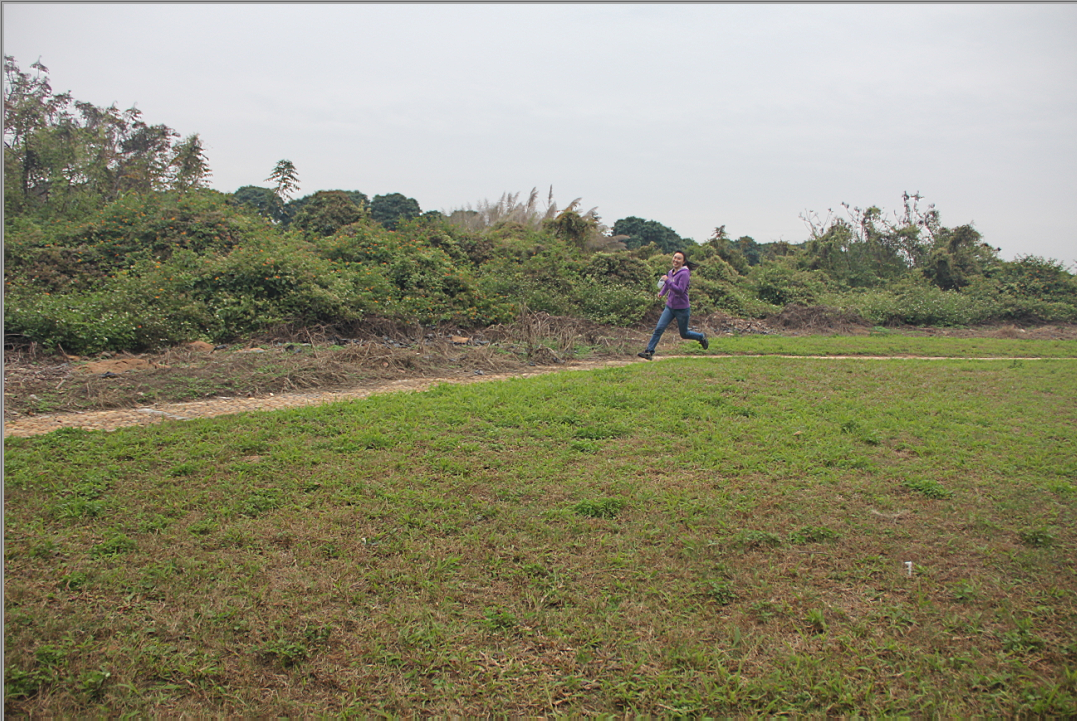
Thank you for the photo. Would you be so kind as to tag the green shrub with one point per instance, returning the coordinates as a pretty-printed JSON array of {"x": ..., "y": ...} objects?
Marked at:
[
  {"x": 782, "y": 286},
  {"x": 715, "y": 269},
  {"x": 612, "y": 304},
  {"x": 709, "y": 296},
  {"x": 1030, "y": 276},
  {"x": 328, "y": 211},
  {"x": 916, "y": 303},
  {"x": 80, "y": 323},
  {"x": 618, "y": 269}
]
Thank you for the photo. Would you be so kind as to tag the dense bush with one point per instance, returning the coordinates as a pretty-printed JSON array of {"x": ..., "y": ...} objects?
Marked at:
[
  {"x": 780, "y": 285},
  {"x": 1031, "y": 276},
  {"x": 327, "y": 212},
  {"x": 920, "y": 303},
  {"x": 120, "y": 316},
  {"x": 612, "y": 303},
  {"x": 155, "y": 269}
]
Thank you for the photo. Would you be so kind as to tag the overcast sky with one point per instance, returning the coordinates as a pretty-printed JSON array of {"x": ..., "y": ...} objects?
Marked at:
[{"x": 694, "y": 115}]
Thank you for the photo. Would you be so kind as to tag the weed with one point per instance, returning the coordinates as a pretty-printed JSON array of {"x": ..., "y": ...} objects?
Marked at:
[
  {"x": 77, "y": 508},
  {"x": 1038, "y": 537},
  {"x": 750, "y": 538},
  {"x": 599, "y": 508},
  {"x": 720, "y": 591},
  {"x": 500, "y": 619},
  {"x": 816, "y": 621},
  {"x": 204, "y": 527},
  {"x": 1021, "y": 639},
  {"x": 21, "y": 684},
  {"x": 929, "y": 488},
  {"x": 73, "y": 581},
  {"x": 285, "y": 652},
  {"x": 45, "y": 549},
  {"x": 153, "y": 523},
  {"x": 92, "y": 684},
  {"x": 115, "y": 544},
  {"x": 767, "y": 610},
  {"x": 258, "y": 502},
  {"x": 963, "y": 591},
  {"x": 318, "y": 634},
  {"x": 812, "y": 534},
  {"x": 188, "y": 468}
]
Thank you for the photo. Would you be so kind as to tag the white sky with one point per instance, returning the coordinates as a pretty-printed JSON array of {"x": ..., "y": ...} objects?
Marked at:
[{"x": 694, "y": 115}]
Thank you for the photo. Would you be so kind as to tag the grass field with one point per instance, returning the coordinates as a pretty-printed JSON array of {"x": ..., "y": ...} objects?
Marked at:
[
  {"x": 893, "y": 344},
  {"x": 693, "y": 536}
]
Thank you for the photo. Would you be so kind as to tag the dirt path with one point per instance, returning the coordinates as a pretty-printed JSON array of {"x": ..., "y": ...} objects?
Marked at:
[
  {"x": 112, "y": 419},
  {"x": 120, "y": 418}
]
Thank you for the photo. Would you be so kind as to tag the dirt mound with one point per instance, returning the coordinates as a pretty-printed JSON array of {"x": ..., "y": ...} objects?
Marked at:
[
  {"x": 1059, "y": 331},
  {"x": 722, "y": 323},
  {"x": 819, "y": 319},
  {"x": 118, "y": 365}
]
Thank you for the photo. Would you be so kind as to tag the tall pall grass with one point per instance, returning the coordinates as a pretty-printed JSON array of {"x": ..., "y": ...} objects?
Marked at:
[{"x": 719, "y": 536}]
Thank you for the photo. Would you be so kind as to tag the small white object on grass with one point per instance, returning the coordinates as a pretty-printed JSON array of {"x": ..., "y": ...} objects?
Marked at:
[{"x": 908, "y": 568}]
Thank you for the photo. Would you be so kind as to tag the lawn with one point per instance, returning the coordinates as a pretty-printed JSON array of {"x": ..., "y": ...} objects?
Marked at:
[{"x": 722, "y": 536}]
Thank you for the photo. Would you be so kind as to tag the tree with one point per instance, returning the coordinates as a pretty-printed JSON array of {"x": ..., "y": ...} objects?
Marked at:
[
  {"x": 394, "y": 208},
  {"x": 122, "y": 153},
  {"x": 30, "y": 110},
  {"x": 190, "y": 169},
  {"x": 959, "y": 255},
  {"x": 263, "y": 200},
  {"x": 285, "y": 180},
  {"x": 642, "y": 232},
  {"x": 571, "y": 227},
  {"x": 751, "y": 250},
  {"x": 327, "y": 212},
  {"x": 64, "y": 156},
  {"x": 1032, "y": 276},
  {"x": 870, "y": 248},
  {"x": 727, "y": 251},
  {"x": 293, "y": 207},
  {"x": 357, "y": 197}
]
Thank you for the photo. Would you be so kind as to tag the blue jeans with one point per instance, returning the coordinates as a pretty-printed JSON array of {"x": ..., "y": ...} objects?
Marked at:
[{"x": 682, "y": 315}]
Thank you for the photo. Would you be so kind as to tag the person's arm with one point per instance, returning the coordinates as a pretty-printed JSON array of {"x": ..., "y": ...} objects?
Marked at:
[{"x": 678, "y": 282}]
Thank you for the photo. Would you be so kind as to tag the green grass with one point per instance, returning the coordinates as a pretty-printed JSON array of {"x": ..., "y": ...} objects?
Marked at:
[
  {"x": 698, "y": 536},
  {"x": 891, "y": 344}
]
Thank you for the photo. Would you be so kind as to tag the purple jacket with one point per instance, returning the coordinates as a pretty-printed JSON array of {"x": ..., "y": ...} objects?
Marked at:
[{"x": 677, "y": 288}]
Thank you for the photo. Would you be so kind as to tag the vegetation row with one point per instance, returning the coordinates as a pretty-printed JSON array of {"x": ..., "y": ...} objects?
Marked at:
[{"x": 112, "y": 241}]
